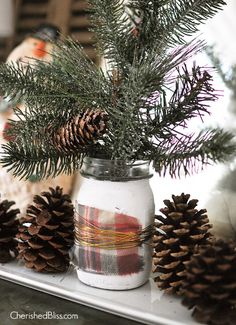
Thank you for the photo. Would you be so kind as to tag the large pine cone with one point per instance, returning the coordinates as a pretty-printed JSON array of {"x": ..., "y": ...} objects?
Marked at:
[
  {"x": 210, "y": 284},
  {"x": 8, "y": 230},
  {"x": 178, "y": 231},
  {"x": 83, "y": 130},
  {"x": 46, "y": 232}
]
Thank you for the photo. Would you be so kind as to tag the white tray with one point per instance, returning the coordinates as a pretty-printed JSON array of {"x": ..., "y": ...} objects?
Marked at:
[{"x": 145, "y": 304}]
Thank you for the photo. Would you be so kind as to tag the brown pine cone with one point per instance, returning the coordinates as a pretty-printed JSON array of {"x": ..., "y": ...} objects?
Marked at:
[
  {"x": 46, "y": 233},
  {"x": 180, "y": 229},
  {"x": 83, "y": 130},
  {"x": 210, "y": 284},
  {"x": 8, "y": 230}
]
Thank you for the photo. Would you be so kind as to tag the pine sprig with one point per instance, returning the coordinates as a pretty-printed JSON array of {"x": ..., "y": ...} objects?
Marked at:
[
  {"x": 193, "y": 91},
  {"x": 189, "y": 153},
  {"x": 166, "y": 23},
  {"x": 153, "y": 73},
  {"x": 113, "y": 28},
  {"x": 28, "y": 160},
  {"x": 55, "y": 84}
]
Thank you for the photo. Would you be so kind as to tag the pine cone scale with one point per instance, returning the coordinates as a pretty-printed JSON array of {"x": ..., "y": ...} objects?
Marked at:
[
  {"x": 83, "y": 130},
  {"x": 33, "y": 230}
]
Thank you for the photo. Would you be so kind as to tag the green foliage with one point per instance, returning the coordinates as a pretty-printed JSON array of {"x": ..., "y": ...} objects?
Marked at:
[
  {"x": 159, "y": 23},
  {"x": 167, "y": 23},
  {"x": 148, "y": 92}
]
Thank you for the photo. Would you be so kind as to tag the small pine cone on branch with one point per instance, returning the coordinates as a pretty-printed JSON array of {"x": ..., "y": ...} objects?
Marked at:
[
  {"x": 83, "y": 130},
  {"x": 46, "y": 233},
  {"x": 210, "y": 284},
  {"x": 178, "y": 232},
  {"x": 8, "y": 231}
]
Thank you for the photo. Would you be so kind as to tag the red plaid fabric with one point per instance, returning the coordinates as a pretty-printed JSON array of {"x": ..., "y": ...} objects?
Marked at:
[{"x": 107, "y": 261}]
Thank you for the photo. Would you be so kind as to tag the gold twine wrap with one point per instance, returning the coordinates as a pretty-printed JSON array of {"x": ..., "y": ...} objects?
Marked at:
[{"x": 88, "y": 234}]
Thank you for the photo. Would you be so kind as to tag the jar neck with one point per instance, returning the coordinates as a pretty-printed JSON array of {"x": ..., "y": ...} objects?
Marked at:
[{"x": 115, "y": 170}]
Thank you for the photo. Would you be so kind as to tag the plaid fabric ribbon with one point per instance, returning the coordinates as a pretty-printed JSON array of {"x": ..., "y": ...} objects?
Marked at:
[{"x": 109, "y": 261}]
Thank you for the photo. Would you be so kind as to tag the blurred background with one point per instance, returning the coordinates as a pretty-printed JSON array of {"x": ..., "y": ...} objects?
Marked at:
[{"x": 19, "y": 18}]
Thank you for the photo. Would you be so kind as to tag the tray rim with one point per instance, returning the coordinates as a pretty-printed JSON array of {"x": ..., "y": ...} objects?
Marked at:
[{"x": 86, "y": 299}]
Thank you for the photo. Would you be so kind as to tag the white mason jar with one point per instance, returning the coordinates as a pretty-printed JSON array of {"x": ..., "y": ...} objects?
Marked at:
[{"x": 115, "y": 200}]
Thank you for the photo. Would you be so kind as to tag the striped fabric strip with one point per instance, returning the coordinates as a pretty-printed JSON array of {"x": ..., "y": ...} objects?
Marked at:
[{"x": 109, "y": 261}]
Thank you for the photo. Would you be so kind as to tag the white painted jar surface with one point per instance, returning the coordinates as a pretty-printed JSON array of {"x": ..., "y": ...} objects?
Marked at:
[{"x": 116, "y": 201}]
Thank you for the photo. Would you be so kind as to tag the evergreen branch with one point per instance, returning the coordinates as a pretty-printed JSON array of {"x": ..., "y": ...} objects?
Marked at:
[
  {"x": 41, "y": 82},
  {"x": 26, "y": 161},
  {"x": 167, "y": 23},
  {"x": 145, "y": 78},
  {"x": 150, "y": 75},
  {"x": 192, "y": 94},
  {"x": 57, "y": 88},
  {"x": 129, "y": 30},
  {"x": 182, "y": 18},
  {"x": 34, "y": 128},
  {"x": 13, "y": 80},
  {"x": 127, "y": 141},
  {"x": 34, "y": 85},
  {"x": 87, "y": 77},
  {"x": 190, "y": 153},
  {"x": 113, "y": 31}
]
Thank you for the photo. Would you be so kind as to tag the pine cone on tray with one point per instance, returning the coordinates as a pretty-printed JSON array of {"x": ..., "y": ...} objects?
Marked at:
[
  {"x": 180, "y": 229},
  {"x": 210, "y": 284},
  {"x": 85, "y": 129},
  {"x": 8, "y": 230},
  {"x": 46, "y": 233}
]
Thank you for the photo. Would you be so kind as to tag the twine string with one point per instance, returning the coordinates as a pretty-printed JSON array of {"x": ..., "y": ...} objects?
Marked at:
[{"x": 90, "y": 235}]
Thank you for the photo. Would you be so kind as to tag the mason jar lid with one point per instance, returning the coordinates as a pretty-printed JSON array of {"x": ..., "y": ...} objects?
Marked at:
[{"x": 115, "y": 170}]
